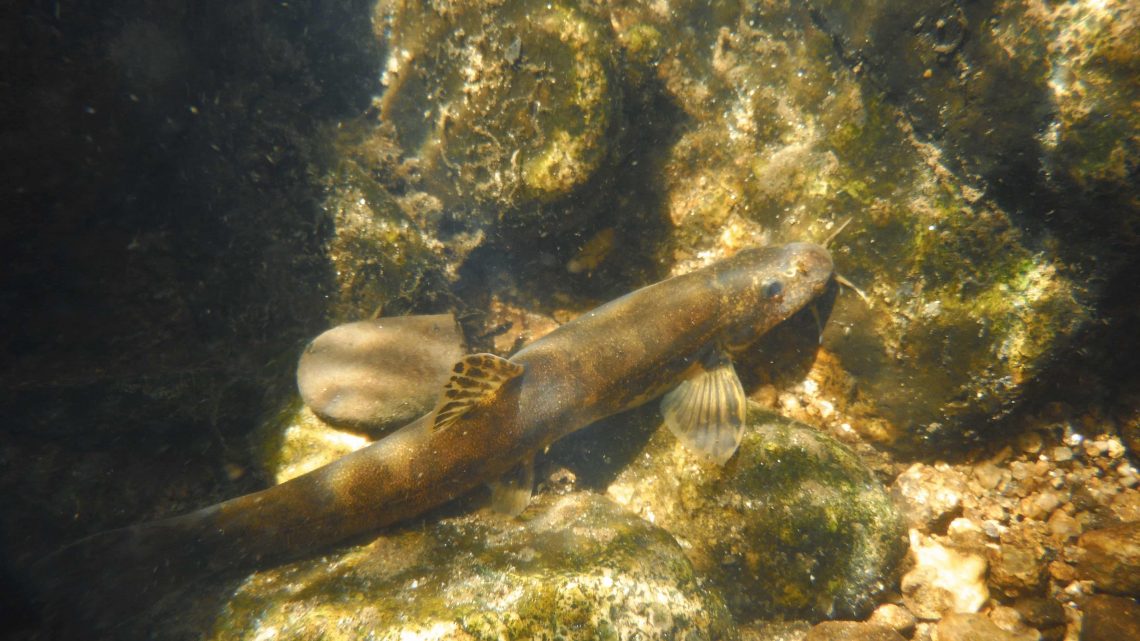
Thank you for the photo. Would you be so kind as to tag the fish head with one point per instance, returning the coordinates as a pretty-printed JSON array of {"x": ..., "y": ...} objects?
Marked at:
[{"x": 762, "y": 287}]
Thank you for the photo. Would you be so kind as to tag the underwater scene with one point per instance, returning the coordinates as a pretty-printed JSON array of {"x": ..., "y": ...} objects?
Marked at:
[{"x": 477, "y": 320}]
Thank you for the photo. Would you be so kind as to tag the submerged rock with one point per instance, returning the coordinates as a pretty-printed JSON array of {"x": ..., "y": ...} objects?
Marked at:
[
  {"x": 502, "y": 105},
  {"x": 577, "y": 567},
  {"x": 379, "y": 374},
  {"x": 964, "y": 311},
  {"x": 793, "y": 525},
  {"x": 1110, "y": 558}
]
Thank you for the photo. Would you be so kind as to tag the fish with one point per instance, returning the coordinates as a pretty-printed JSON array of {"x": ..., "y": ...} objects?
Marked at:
[{"x": 674, "y": 340}]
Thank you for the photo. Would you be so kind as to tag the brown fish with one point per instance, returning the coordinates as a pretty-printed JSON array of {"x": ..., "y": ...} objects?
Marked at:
[{"x": 675, "y": 338}]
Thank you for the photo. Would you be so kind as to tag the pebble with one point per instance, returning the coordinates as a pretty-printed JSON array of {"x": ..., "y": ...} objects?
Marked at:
[
  {"x": 895, "y": 617},
  {"x": 988, "y": 475},
  {"x": 929, "y": 496},
  {"x": 1062, "y": 453},
  {"x": 1014, "y": 569},
  {"x": 1110, "y": 618},
  {"x": 1111, "y": 558}
]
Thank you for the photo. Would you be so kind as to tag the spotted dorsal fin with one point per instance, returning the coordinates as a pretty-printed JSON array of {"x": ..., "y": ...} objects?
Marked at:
[
  {"x": 706, "y": 411},
  {"x": 475, "y": 380}
]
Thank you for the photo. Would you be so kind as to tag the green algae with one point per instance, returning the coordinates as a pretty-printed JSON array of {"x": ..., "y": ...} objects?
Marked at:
[
  {"x": 504, "y": 104},
  {"x": 793, "y": 526},
  {"x": 576, "y": 568}
]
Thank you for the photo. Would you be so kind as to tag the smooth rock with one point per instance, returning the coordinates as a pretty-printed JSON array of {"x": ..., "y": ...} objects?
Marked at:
[
  {"x": 1110, "y": 618},
  {"x": 378, "y": 374},
  {"x": 851, "y": 631},
  {"x": 793, "y": 525},
  {"x": 1111, "y": 558}
]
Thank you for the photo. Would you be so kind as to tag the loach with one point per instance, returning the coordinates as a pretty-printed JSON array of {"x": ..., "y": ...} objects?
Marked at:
[{"x": 674, "y": 338}]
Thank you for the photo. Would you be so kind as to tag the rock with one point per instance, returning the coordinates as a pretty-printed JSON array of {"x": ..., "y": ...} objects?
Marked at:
[
  {"x": 962, "y": 626},
  {"x": 851, "y": 631},
  {"x": 1064, "y": 70},
  {"x": 894, "y": 617},
  {"x": 1041, "y": 613},
  {"x": 501, "y": 106},
  {"x": 1016, "y": 568},
  {"x": 376, "y": 375},
  {"x": 1111, "y": 558},
  {"x": 943, "y": 580},
  {"x": 1110, "y": 618},
  {"x": 929, "y": 497},
  {"x": 793, "y": 525},
  {"x": 577, "y": 567},
  {"x": 299, "y": 442}
]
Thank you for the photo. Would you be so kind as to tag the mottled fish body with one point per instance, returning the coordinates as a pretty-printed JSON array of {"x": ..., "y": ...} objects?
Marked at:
[{"x": 673, "y": 338}]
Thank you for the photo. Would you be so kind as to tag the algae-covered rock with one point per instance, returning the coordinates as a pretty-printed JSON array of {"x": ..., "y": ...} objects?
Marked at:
[
  {"x": 794, "y": 525},
  {"x": 383, "y": 261},
  {"x": 965, "y": 310},
  {"x": 577, "y": 567},
  {"x": 1015, "y": 92},
  {"x": 499, "y": 104}
]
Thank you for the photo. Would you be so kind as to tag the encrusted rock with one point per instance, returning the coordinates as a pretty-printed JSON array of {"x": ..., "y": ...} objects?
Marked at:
[
  {"x": 1111, "y": 558},
  {"x": 793, "y": 524},
  {"x": 929, "y": 496},
  {"x": 577, "y": 567},
  {"x": 1110, "y": 618},
  {"x": 943, "y": 580}
]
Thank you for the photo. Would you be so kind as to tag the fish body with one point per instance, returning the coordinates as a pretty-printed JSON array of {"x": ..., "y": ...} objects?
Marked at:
[{"x": 495, "y": 414}]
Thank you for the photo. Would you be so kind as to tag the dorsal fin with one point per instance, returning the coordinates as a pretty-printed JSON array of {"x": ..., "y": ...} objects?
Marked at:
[
  {"x": 706, "y": 411},
  {"x": 475, "y": 380}
]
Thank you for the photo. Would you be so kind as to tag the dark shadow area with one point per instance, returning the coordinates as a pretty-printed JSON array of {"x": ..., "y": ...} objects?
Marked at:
[{"x": 164, "y": 242}]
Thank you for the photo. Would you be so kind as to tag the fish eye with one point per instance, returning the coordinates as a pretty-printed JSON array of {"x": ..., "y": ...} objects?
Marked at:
[{"x": 772, "y": 289}]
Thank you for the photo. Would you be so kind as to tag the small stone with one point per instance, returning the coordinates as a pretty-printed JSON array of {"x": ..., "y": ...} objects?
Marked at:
[
  {"x": 1010, "y": 620},
  {"x": 1111, "y": 558},
  {"x": 894, "y": 617},
  {"x": 847, "y": 630},
  {"x": 1029, "y": 442},
  {"x": 1039, "y": 612},
  {"x": 1126, "y": 506},
  {"x": 1015, "y": 569},
  {"x": 943, "y": 580},
  {"x": 1044, "y": 504},
  {"x": 1064, "y": 526},
  {"x": 1062, "y": 453},
  {"x": 961, "y": 626},
  {"x": 988, "y": 475},
  {"x": 1110, "y": 618},
  {"x": 929, "y": 497},
  {"x": 1062, "y": 572}
]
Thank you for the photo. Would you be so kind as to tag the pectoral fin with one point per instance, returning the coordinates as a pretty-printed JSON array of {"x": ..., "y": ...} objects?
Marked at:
[
  {"x": 706, "y": 411},
  {"x": 475, "y": 380},
  {"x": 511, "y": 494}
]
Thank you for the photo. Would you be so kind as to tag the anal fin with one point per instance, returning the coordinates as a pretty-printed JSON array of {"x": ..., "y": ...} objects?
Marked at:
[
  {"x": 475, "y": 380},
  {"x": 511, "y": 494},
  {"x": 706, "y": 411}
]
